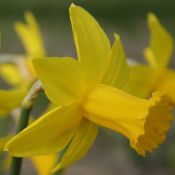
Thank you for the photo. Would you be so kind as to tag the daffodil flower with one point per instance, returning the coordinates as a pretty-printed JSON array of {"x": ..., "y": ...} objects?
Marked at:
[
  {"x": 22, "y": 74},
  {"x": 31, "y": 38},
  {"x": 156, "y": 75},
  {"x": 89, "y": 91}
]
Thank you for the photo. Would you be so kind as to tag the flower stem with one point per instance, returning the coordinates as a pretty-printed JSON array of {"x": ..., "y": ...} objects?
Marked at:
[
  {"x": 23, "y": 122},
  {"x": 26, "y": 108},
  {"x": 4, "y": 121}
]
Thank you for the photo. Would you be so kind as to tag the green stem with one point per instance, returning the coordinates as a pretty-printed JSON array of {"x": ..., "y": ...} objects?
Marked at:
[
  {"x": 16, "y": 166},
  {"x": 23, "y": 122},
  {"x": 24, "y": 118}
]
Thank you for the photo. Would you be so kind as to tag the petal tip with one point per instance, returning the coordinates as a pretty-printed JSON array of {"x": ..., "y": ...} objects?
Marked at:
[
  {"x": 116, "y": 36},
  {"x": 152, "y": 17},
  {"x": 6, "y": 147},
  {"x": 27, "y": 13},
  {"x": 72, "y": 6}
]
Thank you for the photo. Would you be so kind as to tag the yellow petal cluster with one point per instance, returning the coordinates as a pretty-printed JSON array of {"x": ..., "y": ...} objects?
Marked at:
[
  {"x": 22, "y": 74},
  {"x": 156, "y": 75},
  {"x": 30, "y": 35},
  {"x": 31, "y": 38},
  {"x": 88, "y": 93}
]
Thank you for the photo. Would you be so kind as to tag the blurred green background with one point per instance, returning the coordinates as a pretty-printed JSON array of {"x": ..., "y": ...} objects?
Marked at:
[
  {"x": 111, "y": 154},
  {"x": 128, "y": 18}
]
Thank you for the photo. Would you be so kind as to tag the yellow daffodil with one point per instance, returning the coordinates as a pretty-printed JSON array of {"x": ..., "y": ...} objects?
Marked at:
[
  {"x": 88, "y": 90},
  {"x": 31, "y": 38},
  {"x": 155, "y": 75},
  {"x": 10, "y": 99},
  {"x": 22, "y": 72}
]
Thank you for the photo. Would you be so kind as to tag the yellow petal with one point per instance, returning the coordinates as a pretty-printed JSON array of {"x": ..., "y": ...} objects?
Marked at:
[
  {"x": 47, "y": 135},
  {"x": 141, "y": 81},
  {"x": 11, "y": 74},
  {"x": 161, "y": 45},
  {"x": 91, "y": 42},
  {"x": 10, "y": 99},
  {"x": 62, "y": 78},
  {"x": 30, "y": 35},
  {"x": 167, "y": 84},
  {"x": 80, "y": 144},
  {"x": 3, "y": 141},
  {"x": 117, "y": 72},
  {"x": 144, "y": 122},
  {"x": 44, "y": 164}
]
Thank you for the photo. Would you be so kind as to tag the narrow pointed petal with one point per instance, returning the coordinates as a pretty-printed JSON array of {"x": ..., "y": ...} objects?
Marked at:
[
  {"x": 10, "y": 99},
  {"x": 118, "y": 71},
  {"x": 91, "y": 42},
  {"x": 63, "y": 79},
  {"x": 80, "y": 144},
  {"x": 47, "y": 135},
  {"x": 160, "y": 49},
  {"x": 44, "y": 164},
  {"x": 30, "y": 36},
  {"x": 144, "y": 122},
  {"x": 141, "y": 81}
]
